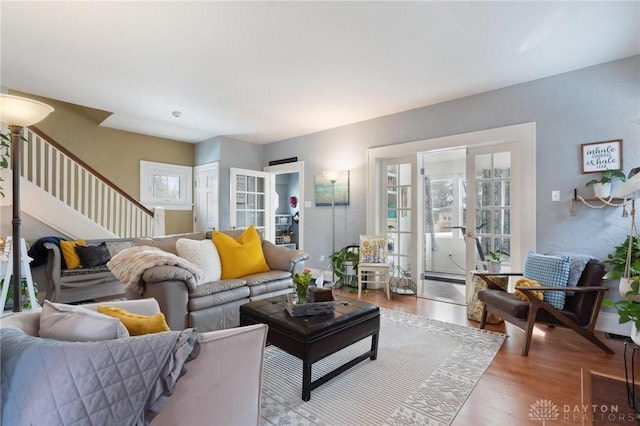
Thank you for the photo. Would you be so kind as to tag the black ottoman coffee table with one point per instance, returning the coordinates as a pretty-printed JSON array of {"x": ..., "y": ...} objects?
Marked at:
[{"x": 315, "y": 337}]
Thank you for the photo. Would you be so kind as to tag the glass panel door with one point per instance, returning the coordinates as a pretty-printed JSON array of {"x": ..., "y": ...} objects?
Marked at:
[
  {"x": 490, "y": 196},
  {"x": 401, "y": 253},
  {"x": 250, "y": 201}
]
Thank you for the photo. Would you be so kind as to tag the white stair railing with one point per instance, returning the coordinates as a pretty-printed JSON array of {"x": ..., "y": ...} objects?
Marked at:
[{"x": 65, "y": 177}]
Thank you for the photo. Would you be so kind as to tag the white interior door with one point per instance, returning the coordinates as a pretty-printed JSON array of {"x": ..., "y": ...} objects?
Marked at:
[
  {"x": 400, "y": 186},
  {"x": 494, "y": 205},
  {"x": 206, "y": 212},
  {"x": 251, "y": 201}
]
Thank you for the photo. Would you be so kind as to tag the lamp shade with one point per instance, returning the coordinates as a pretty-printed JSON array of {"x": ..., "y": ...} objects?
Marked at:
[
  {"x": 332, "y": 175},
  {"x": 23, "y": 112},
  {"x": 630, "y": 188}
]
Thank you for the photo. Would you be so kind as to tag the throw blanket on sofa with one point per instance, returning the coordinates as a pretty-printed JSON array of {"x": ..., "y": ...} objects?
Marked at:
[
  {"x": 113, "y": 382},
  {"x": 129, "y": 265}
]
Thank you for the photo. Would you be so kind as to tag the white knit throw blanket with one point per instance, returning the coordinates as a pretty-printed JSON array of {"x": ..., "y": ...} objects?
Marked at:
[{"x": 129, "y": 265}]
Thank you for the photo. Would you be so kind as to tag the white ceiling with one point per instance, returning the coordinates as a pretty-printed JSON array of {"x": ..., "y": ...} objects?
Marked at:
[{"x": 266, "y": 71}]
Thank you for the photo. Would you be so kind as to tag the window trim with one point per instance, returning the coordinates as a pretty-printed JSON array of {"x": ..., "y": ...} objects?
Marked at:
[{"x": 148, "y": 169}]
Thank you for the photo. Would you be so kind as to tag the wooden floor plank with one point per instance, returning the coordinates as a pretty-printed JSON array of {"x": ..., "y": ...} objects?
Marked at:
[{"x": 513, "y": 384}]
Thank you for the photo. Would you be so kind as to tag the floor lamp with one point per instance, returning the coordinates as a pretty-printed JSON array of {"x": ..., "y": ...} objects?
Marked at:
[
  {"x": 333, "y": 176},
  {"x": 17, "y": 113}
]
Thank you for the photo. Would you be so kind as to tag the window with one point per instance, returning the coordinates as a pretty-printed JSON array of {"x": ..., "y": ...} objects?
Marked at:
[{"x": 166, "y": 185}]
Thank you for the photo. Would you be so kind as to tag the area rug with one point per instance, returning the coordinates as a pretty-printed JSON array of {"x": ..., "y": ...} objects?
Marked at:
[{"x": 425, "y": 371}]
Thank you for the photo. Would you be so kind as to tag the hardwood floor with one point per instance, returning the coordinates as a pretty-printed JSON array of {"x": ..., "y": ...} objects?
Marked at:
[{"x": 513, "y": 383}]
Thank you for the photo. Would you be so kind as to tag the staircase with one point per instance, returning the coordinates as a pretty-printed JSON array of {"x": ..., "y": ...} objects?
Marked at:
[{"x": 63, "y": 192}]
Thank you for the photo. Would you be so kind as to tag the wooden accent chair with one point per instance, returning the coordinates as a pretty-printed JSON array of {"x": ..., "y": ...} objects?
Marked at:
[{"x": 580, "y": 311}]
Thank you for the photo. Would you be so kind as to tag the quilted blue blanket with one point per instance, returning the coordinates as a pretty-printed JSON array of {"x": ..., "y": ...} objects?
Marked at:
[{"x": 114, "y": 382}]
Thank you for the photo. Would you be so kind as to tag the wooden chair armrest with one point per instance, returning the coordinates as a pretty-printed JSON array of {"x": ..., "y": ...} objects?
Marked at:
[{"x": 565, "y": 289}]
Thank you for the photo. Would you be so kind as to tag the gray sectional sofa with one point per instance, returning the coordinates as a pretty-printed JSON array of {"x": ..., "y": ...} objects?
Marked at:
[
  {"x": 214, "y": 305},
  {"x": 185, "y": 303}
]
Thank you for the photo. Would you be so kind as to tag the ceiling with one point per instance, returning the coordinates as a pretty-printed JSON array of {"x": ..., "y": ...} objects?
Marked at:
[{"x": 267, "y": 71}]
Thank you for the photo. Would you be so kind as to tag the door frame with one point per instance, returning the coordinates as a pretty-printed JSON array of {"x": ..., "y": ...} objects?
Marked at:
[
  {"x": 522, "y": 134},
  {"x": 286, "y": 168}
]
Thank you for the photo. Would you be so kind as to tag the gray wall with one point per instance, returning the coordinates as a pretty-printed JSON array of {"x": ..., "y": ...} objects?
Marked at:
[
  {"x": 588, "y": 105},
  {"x": 231, "y": 153}
]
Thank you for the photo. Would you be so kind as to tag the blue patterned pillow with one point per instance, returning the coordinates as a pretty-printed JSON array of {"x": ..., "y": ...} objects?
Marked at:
[{"x": 549, "y": 271}]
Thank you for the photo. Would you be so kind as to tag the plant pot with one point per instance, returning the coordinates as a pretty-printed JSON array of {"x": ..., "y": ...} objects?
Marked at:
[
  {"x": 494, "y": 267},
  {"x": 602, "y": 190},
  {"x": 634, "y": 334},
  {"x": 624, "y": 286}
]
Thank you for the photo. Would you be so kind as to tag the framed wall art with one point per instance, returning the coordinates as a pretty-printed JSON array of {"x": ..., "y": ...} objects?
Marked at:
[
  {"x": 601, "y": 156},
  {"x": 323, "y": 190}
]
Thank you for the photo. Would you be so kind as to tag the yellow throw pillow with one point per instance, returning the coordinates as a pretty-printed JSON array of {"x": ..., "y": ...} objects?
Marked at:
[
  {"x": 71, "y": 257},
  {"x": 241, "y": 256},
  {"x": 136, "y": 324},
  {"x": 523, "y": 282}
]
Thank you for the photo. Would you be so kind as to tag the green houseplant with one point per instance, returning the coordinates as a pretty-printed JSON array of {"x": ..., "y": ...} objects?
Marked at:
[
  {"x": 24, "y": 292},
  {"x": 618, "y": 259},
  {"x": 344, "y": 262},
  {"x": 495, "y": 263},
  {"x": 602, "y": 185},
  {"x": 629, "y": 308}
]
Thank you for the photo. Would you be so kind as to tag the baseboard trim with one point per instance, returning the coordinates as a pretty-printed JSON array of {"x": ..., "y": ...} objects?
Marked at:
[{"x": 608, "y": 322}]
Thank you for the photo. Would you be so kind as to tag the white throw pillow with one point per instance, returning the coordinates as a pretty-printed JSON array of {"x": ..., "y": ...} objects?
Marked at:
[
  {"x": 77, "y": 324},
  {"x": 203, "y": 254}
]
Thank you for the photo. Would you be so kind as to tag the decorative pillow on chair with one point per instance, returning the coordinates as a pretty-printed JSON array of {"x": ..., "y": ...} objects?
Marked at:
[
  {"x": 77, "y": 324},
  {"x": 204, "y": 255},
  {"x": 69, "y": 253},
  {"x": 137, "y": 325},
  {"x": 91, "y": 256},
  {"x": 549, "y": 271},
  {"x": 241, "y": 256}
]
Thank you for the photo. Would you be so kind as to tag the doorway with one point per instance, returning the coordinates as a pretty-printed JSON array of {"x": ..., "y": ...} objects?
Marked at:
[
  {"x": 443, "y": 215},
  {"x": 519, "y": 142},
  {"x": 287, "y": 183}
]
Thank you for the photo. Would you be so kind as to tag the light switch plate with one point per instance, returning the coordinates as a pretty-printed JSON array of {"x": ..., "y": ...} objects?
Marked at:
[{"x": 555, "y": 195}]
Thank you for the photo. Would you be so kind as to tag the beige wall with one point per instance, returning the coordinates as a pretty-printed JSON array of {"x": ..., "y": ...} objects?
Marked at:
[{"x": 115, "y": 153}]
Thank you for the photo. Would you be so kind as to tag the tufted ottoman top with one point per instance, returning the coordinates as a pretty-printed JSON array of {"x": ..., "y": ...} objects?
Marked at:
[{"x": 272, "y": 311}]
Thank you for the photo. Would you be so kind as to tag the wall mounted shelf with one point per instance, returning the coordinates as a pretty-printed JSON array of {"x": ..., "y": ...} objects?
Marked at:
[{"x": 598, "y": 203}]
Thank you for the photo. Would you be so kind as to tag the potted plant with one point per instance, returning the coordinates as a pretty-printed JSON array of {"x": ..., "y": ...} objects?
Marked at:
[
  {"x": 618, "y": 263},
  {"x": 602, "y": 186},
  {"x": 495, "y": 263},
  {"x": 24, "y": 292},
  {"x": 628, "y": 308},
  {"x": 344, "y": 263}
]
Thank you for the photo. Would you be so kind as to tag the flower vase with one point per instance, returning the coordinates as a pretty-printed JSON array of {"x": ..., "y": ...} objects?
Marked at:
[{"x": 301, "y": 297}]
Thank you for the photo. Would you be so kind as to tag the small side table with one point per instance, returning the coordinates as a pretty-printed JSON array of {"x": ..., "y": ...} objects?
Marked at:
[
  {"x": 369, "y": 273},
  {"x": 630, "y": 374},
  {"x": 6, "y": 272}
]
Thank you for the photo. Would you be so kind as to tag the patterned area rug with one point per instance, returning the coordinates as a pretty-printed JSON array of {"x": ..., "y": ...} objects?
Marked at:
[{"x": 425, "y": 371}]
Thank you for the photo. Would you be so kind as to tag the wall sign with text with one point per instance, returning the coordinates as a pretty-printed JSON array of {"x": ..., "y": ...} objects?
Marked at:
[{"x": 601, "y": 156}]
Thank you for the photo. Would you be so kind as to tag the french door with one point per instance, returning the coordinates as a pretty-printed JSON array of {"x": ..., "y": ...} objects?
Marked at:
[
  {"x": 494, "y": 219},
  {"x": 399, "y": 180},
  {"x": 251, "y": 201}
]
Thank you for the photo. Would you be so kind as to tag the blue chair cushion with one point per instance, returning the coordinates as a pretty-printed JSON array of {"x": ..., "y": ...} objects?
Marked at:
[{"x": 549, "y": 271}]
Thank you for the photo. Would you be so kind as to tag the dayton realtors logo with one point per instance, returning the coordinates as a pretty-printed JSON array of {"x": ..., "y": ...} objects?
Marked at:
[{"x": 544, "y": 410}]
